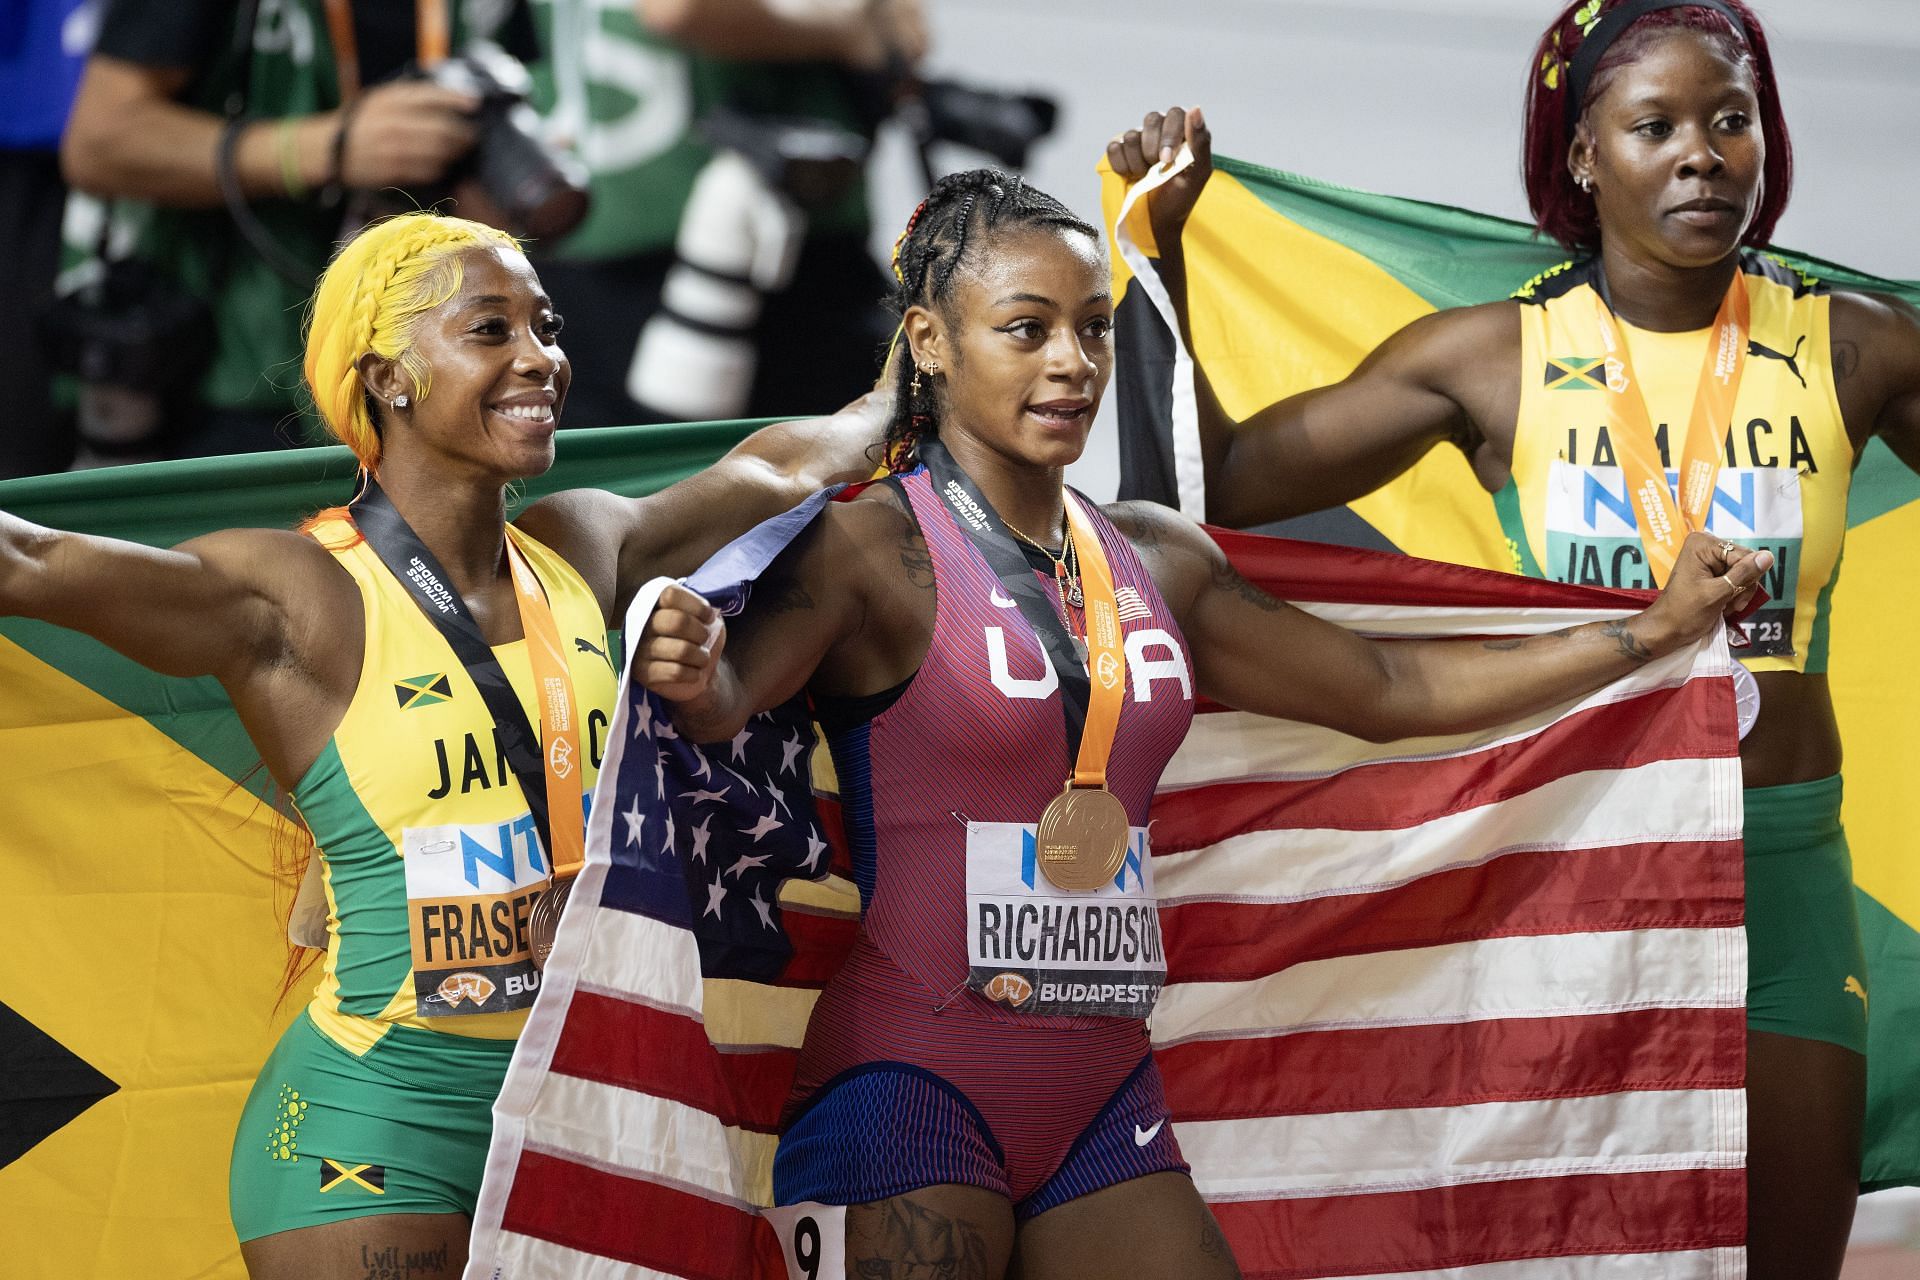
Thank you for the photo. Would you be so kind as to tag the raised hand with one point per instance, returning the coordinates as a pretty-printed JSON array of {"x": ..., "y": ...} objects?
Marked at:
[
  {"x": 679, "y": 651},
  {"x": 1133, "y": 153}
]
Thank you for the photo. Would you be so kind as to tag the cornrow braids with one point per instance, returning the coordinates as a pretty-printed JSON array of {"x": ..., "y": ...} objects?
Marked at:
[
  {"x": 962, "y": 212},
  {"x": 371, "y": 299}
]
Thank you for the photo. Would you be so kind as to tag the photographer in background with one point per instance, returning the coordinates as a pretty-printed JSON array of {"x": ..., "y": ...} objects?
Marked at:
[
  {"x": 627, "y": 90},
  {"x": 203, "y": 341}
]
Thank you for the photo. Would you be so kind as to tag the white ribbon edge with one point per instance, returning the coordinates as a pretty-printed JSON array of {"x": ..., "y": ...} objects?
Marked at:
[{"x": 1189, "y": 466}]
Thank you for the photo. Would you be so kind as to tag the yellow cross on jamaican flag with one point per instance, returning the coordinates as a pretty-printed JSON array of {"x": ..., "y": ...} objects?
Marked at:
[
  {"x": 423, "y": 691},
  {"x": 1577, "y": 373}
]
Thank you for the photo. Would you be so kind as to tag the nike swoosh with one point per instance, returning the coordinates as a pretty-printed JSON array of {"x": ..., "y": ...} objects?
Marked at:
[{"x": 1141, "y": 1137}]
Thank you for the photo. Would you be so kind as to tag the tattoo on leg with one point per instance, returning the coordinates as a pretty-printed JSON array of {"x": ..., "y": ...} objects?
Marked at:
[
  {"x": 395, "y": 1263},
  {"x": 1630, "y": 646},
  {"x": 897, "y": 1239}
]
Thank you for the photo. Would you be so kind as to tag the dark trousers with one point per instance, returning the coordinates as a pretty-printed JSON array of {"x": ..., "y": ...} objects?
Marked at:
[{"x": 34, "y": 437}]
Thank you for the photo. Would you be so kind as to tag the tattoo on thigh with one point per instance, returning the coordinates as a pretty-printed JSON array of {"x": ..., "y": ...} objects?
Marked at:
[
  {"x": 395, "y": 1263},
  {"x": 899, "y": 1239}
]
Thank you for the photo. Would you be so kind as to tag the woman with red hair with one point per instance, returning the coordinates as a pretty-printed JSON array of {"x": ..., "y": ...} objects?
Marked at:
[{"x": 1657, "y": 153}]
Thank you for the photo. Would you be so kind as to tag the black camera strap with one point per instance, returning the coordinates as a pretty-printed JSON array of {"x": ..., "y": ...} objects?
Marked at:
[
  {"x": 987, "y": 531},
  {"x": 416, "y": 568}
]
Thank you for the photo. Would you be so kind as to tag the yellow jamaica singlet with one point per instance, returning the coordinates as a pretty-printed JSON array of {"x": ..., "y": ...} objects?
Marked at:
[
  {"x": 429, "y": 856},
  {"x": 1784, "y": 474}
]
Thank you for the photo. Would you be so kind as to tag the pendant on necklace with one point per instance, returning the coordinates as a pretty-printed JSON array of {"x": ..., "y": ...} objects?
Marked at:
[{"x": 1074, "y": 596}]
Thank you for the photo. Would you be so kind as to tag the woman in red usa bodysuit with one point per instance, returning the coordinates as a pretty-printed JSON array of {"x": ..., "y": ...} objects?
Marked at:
[{"x": 972, "y": 634}]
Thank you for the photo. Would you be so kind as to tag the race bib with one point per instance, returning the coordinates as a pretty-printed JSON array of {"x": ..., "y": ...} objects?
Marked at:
[
  {"x": 1041, "y": 949},
  {"x": 470, "y": 888},
  {"x": 813, "y": 1239},
  {"x": 1593, "y": 538}
]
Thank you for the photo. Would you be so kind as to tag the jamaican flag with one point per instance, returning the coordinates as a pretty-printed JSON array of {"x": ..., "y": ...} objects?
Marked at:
[
  {"x": 1292, "y": 282},
  {"x": 145, "y": 923}
]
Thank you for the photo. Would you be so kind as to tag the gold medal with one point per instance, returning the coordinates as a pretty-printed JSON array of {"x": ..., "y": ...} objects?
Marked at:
[{"x": 1081, "y": 841}]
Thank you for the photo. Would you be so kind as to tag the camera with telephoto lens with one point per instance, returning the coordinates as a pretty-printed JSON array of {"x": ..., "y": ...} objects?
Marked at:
[
  {"x": 137, "y": 342},
  {"x": 538, "y": 192},
  {"x": 746, "y": 217}
]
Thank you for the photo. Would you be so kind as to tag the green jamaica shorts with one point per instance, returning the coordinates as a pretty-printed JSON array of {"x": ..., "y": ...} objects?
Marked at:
[
  {"x": 1806, "y": 974},
  {"x": 326, "y": 1136}
]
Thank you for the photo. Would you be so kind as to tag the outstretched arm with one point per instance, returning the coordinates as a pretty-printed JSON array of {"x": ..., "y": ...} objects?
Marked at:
[
  {"x": 202, "y": 608},
  {"x": 619, "y": 544},
  {"x": 1256, "y": 653},
  {"x": 1328, "y": 445}
]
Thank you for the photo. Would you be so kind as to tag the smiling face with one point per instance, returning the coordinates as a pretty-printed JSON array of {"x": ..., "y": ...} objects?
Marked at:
[
  {"x": 1672, "y": 147},
  {"x": 497, "y": 376},
  {"x": 1023, "y": 342}
]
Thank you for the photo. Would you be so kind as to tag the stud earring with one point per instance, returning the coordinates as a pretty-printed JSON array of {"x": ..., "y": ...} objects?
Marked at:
[{"x": 401, "y": 402}]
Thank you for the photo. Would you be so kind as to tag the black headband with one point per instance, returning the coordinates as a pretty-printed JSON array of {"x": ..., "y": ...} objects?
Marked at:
[{"x": 1614, "y": 23}]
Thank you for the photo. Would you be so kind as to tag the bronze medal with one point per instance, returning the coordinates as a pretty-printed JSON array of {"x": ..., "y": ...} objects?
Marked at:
[
  {"x": 543, "y": 921},
  {"x": 1081, "y": 841}
]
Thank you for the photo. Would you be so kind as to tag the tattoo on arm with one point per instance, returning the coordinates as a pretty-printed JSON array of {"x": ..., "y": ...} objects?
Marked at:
[
  {"x": 786, "y": 595},
  {"x": 914, "y": 556},
  {"x": 1511, "y": 643},
  {"x": 1629, "y": 645},
  {"x": 1227, "y": 578},
  {"x": 1616, "y": 631},
  {"x": 1846, "y": 359},
  {"x": 899, "y": 1238}
]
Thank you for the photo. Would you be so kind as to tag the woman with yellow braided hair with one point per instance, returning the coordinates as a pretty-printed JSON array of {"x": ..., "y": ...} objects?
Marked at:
[{"x": 385, "y": 659}]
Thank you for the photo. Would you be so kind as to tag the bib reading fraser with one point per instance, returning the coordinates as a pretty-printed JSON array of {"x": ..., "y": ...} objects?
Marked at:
[{"x": 431, "y": 859}]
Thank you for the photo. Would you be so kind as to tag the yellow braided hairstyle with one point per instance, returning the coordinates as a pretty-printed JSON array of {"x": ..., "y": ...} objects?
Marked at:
[{"x": 372, "y": 297}]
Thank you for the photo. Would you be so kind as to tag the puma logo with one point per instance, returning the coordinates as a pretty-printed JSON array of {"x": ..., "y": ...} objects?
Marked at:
[
  {"x": 1853, "y": 988},
  {"x": 1792, "y": 362},
  {"x": 584, "y": 645},
  {"x": 1141, "y": 1137}
]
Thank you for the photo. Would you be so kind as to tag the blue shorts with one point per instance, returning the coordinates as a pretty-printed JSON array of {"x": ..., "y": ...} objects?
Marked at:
[{"x": 886, "y": 1128}]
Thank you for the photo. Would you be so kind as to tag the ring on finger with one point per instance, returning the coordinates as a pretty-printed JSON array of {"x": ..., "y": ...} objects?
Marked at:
[{"x": 1729, "y": 548}]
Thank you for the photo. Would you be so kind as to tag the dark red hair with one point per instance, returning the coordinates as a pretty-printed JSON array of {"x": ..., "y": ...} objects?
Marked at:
[{"x": 1560, "y": 208}]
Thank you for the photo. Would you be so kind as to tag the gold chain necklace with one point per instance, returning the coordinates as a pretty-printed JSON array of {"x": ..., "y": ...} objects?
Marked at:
[{"x": 1066, "y": 568}]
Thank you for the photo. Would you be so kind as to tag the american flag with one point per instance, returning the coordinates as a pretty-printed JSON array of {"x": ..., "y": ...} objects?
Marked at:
[{"x": 1465, "y": 1008}]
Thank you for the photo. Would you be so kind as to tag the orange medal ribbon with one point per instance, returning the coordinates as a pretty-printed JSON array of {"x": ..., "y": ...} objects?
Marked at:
[
  {"x": 1665, "y": 523},
  {"x": 1106, "y": 651},
  {"x": 559, "y": 722}
]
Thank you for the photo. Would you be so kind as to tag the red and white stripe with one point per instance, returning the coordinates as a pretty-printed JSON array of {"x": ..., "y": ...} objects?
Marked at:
[{"x": 1466, "y": 1008}]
